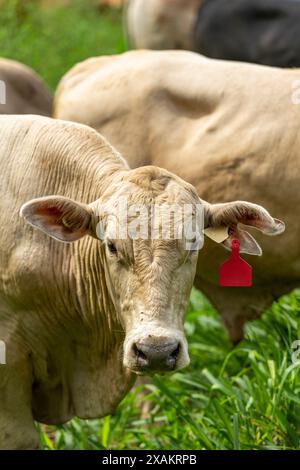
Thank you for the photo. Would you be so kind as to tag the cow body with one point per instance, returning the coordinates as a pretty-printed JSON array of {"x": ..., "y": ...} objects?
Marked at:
[
  {"x": 23, "y": 91},
  {"x": 79, "y": 319},
  {"x": 230, "y": 129},
  {"x": 161, "y": 24},
  {"x": 260, "y": 31},
  {"x": 56, "y": 366}
]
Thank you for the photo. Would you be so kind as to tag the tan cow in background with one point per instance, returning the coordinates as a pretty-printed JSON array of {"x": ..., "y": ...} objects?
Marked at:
[
  {"x": 22, "y": 90},
  {"x": 230, "y": 129},
  {"x": 161, "y": 24}
]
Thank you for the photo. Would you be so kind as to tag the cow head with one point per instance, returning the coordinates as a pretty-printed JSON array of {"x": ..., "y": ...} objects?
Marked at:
[{"x": 149, "y": 263}]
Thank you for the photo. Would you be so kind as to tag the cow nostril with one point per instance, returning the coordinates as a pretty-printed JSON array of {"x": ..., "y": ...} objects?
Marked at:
[
  {"x": 138, "y": 353},
  {"x": 175, "y": 353},
  {"x": 140, "y": 357}
]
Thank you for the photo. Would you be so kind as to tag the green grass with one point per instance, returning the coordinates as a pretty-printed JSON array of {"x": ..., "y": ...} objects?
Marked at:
[
  {"x": 52, "y": 40},
  {"x": 242, "y": 398}
]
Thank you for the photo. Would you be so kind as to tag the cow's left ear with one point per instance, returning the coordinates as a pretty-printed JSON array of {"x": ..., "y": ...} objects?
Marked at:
[
  {"x": 60, "y": 217},
  {"x": 240, "y": 212}
]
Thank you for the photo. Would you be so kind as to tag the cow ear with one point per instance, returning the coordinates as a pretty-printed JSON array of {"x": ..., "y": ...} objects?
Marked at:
[
  {"x": 61, "y": 218},
  {"x": 232, "y": 214}
]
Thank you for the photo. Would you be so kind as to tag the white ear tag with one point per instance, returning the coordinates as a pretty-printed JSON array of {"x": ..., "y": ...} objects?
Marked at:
[{"x": 218, "y": 234}]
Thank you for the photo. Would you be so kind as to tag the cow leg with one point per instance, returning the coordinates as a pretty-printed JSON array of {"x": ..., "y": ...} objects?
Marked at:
[
  {"x": 17, "y": 430},
  {"x": 236, "y": 305}
]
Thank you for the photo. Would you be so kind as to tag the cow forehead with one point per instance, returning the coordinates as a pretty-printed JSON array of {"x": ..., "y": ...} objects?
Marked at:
[
  {"x": 157, "y": 225},
  {"x": 148, "y": 255},
  {"x": 158, "y": 256},
  {"x": 155, "y": 183},
  {"x": 151, "y": 204},
  {"x": 131, "y": 194},
  {"x": 160, "y": 248}
]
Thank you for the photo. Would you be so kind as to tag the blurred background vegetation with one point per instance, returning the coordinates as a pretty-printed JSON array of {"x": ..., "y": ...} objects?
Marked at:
[
  {"x": 52, "y": 35},
  {"x": 246, "y": 397}
]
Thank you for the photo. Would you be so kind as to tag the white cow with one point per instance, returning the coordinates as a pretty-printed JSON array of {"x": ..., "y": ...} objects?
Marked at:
[{"x": 79, "y": 319}]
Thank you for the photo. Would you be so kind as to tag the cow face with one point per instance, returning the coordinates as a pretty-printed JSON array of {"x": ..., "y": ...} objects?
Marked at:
[
  {"x": 150, "y": 267},
  {"x": 149, "y": 263},
  {"x": 150, "y": 282}
]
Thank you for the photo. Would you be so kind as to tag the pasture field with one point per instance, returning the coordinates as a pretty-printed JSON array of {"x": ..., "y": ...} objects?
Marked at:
[
  {"x": 52, "y": 40},
  {"x": 247, "y": 397}
]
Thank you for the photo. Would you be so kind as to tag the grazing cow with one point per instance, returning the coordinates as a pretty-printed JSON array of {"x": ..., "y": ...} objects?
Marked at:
[
  {"x": 161, "y": 24},
  {"x": 22, "y": 91},
  {"x": 230, "y": 129},
  {"x": 78, "y": 320},
  {"x": 261, "y": 31}
]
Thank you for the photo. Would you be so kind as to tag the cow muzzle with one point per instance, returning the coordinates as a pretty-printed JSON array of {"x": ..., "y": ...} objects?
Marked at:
[{"x": 156, "y": 355}]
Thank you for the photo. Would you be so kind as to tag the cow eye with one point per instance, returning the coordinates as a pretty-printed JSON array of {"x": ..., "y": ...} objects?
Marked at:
[{"x": 111, "y": 247}]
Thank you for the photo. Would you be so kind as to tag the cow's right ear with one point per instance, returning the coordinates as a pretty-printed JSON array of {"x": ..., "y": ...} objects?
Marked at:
[
  {"x": 60, "y": 217},
  {"x": 230, "y": 215}
]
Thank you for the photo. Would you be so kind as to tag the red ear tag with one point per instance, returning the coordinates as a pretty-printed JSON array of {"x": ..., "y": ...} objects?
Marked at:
[{"x": 235, "y": 272}]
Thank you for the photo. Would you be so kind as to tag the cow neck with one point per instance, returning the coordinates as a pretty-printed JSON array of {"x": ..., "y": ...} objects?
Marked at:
[{"x": 88, "y": 277}]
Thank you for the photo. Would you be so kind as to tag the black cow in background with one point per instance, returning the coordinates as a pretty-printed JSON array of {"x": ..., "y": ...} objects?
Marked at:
[{"x": 261, "y": 31}]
